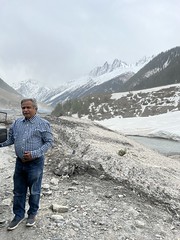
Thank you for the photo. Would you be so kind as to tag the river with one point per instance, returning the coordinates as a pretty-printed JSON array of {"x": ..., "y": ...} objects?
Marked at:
[{"x": 163, "y": 146}]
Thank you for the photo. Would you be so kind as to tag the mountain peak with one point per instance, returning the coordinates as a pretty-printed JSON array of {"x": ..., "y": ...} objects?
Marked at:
[
  {"x": 98, "y": 71},
  {"x": 119, "y": 64},
  {"x": 31, "y": 88},
  {"x": 144, "y": 60}
]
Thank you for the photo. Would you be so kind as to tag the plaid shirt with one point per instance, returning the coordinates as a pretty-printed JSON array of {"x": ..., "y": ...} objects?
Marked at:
[{"x": 33, "y": 135}]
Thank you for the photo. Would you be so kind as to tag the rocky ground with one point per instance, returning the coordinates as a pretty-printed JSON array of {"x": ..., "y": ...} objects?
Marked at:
[{"x": 97, "y": 185}]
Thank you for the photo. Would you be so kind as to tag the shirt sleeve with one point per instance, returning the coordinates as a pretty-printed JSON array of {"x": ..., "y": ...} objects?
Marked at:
[{"x": 48, "y": 141}]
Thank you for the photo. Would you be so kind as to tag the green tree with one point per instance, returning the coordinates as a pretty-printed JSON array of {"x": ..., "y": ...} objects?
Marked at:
[{"x": 58, "y": 111}]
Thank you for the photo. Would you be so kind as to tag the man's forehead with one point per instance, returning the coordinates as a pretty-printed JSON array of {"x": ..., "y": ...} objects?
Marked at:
[{"x": 27, "y": 103}]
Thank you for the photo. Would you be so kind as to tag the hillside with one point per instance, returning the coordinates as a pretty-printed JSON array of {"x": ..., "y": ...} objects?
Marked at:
[
  {"x": 164, "y": 69},
  {"x": 96, "y": 192},
  {"x": 9, "y": 98},
  {"x": 142, "y": 103}
]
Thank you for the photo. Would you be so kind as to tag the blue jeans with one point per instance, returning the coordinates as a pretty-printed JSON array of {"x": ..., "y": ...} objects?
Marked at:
[{"x": 27, "y": 176}]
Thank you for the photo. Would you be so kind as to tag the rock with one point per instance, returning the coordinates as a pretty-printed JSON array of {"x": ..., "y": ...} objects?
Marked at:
[
  {"x": 108, "y": 195},
  {"x": 139, "y": 224},
  {"x": 59, "y": 208},
  {"x": 75, "y": 182},
  {"x": 47, "y": 193},
  {"x": 45, "y": 186},
  {"x": 54, "y": 188},
  {"x": 3, "y": 223},
  {"x": 72, "y": 188},
  {"x": 54, "y": 181},
  {"x": 76, "y": 224},
  {"x": 7, "y": 202},
  {"x": 57, "y": 218}
]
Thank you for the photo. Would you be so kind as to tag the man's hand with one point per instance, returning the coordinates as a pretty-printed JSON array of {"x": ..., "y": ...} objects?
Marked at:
[{"x": 27, "y": 157}]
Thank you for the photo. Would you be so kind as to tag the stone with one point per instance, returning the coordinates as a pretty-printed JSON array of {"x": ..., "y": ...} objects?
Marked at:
[
  {"x": 57, "y": 218},
  {"x": 59, "y": 208}
]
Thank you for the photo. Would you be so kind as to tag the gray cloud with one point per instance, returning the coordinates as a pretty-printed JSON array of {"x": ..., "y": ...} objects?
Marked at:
[{"x": 56, "y": 41}]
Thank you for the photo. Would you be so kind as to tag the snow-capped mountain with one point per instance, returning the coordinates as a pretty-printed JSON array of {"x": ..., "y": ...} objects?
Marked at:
[
  {"x": 31, "y": 88},
  {"x": 120, "y": 66},
  {"x": 82, "y": 86},
  {"x": 98, "y": 71},
  {"x": 162, "y": 70}
]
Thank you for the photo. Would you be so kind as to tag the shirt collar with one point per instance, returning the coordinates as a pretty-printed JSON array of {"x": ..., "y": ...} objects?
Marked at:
[{"x": 32, "y": 119}]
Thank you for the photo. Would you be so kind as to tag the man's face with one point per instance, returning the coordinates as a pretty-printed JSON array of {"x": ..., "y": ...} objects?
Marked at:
[{"x": 28, "y": 109}]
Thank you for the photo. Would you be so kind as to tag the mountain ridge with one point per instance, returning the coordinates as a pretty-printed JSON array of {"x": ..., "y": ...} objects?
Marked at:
[
  {"x": 82, "y": 86},
  {"x": 162, "y": 70}
]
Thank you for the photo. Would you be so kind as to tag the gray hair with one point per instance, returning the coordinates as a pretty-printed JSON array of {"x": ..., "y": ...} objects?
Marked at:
[{"x": 33, "y": 100}]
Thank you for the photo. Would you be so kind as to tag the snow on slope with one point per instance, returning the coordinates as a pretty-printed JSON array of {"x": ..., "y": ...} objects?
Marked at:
[
  {"x": 165, "y": 125},
  {"x": 123, "y": 94},
  {"x": 162, "y": 126}
]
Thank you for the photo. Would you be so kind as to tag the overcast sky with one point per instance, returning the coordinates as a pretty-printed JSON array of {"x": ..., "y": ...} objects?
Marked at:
[{"x": 54, "y": 41}]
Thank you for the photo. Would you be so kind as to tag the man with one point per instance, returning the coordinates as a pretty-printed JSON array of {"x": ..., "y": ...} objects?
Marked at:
[{"x": 32, "y": 137}]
